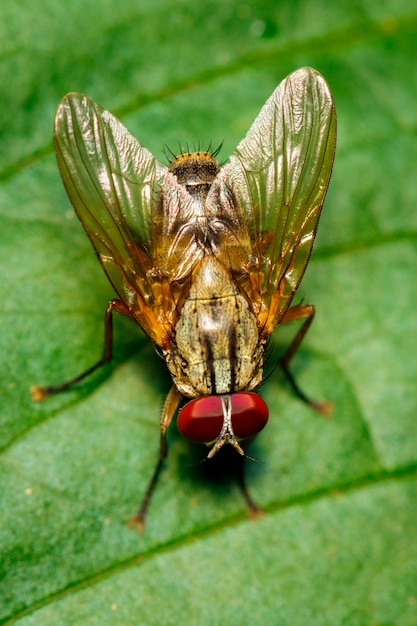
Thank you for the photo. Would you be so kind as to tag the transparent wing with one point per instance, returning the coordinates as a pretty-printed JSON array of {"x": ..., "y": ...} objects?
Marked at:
[
  {"x": 116, "y": 186},
  {"x": 279, "y": 174}
]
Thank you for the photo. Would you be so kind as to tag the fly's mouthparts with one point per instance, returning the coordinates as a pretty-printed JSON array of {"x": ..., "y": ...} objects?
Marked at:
[{"x": 226, "y": 434}]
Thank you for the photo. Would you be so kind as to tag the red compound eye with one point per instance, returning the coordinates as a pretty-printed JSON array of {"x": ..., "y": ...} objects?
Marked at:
[
  {"x": 249, "y": 414},
  {"x": 201, "y": 420}
]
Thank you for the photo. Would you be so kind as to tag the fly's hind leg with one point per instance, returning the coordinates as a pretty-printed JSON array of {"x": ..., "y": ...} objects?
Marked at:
[
  {"x": 39, "y": 392},
  {"x": 170, "y": 406},
  {"x": 294, "y": 313}
]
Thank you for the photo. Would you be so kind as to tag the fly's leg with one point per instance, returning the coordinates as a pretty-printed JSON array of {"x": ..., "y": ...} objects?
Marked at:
[
  {"x": 39, "y": 393},
  {"x": 254, "y": 511},
  {"x": 294, "y": 313},
  {"x": 172, "y": 401},
  {"x": 169, "y": 409}
]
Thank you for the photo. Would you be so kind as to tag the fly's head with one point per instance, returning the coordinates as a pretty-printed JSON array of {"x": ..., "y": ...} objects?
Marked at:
[{"x": 216, "y": 420}]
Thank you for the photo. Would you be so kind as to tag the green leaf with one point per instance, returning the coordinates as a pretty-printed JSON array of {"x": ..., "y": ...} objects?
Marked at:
[{"x": 338, "y": 541}]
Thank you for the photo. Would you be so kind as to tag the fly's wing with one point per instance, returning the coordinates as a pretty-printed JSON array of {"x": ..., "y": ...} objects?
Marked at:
[
  {"x": 115, "y": 184},
  {"x": 279, "y": 175}
]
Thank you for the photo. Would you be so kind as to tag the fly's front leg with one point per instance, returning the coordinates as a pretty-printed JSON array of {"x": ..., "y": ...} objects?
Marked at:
[
  {"x": 254, "y": 511},
  {"x": 294, "y": 313},
  {"x": 169, "y": 409},
  {"x": 40, "y": 393}
]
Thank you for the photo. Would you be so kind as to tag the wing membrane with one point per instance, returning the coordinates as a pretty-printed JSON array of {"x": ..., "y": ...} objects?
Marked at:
[
  {"x": 260, "y": 217},
  {"x": 280, "y": 174},
  {"x": 114, "y": 184}
]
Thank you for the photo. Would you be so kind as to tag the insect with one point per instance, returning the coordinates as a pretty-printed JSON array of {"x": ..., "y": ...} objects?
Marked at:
[{"x": 205, "y": 259}]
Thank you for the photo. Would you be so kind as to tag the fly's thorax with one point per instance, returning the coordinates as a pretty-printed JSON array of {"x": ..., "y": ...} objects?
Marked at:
[
  {"x": 196, "y": 171},
  {"x": 217, "y": 349}
]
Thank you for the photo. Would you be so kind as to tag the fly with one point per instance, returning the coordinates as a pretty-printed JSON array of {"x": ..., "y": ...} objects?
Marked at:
[{"x": 205, "y": 259}]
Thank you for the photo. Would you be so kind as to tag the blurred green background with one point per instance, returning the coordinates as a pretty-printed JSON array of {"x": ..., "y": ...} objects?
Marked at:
[{"x": 338, "y": 541}]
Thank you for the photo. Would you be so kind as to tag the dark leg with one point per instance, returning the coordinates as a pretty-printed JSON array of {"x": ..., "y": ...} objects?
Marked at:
[
  {"x": 254, "y": 511},
  {"x": 40, "y": 393},
  {"x": 169, "y": 409},
  {"x": 294, "y": 313}
]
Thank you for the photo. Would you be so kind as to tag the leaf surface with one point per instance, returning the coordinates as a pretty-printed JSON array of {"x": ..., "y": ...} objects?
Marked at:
[{"x": 337, "y": 543}]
